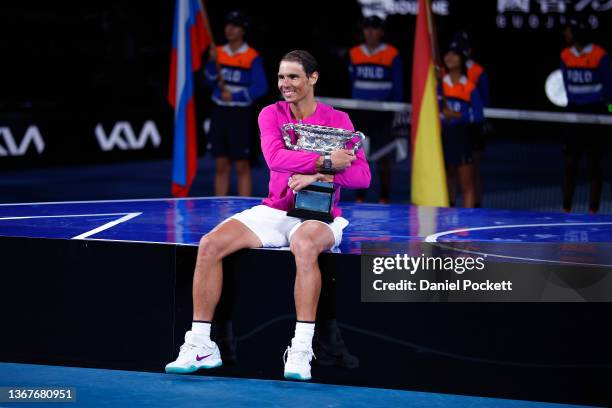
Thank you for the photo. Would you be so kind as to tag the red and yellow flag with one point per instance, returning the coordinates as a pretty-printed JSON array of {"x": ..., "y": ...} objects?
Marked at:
[{"x": 428, "y": 173}]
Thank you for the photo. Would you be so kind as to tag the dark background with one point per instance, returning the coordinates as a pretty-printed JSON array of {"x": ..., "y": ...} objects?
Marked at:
[
  {"x": 114, "y": 55},
  {"x": 68, "y": 67}
]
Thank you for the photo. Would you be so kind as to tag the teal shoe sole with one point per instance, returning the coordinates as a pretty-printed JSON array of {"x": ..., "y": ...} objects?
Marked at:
[
  {"x": 189, "y": 370},
  {"x": 181, "y": 370},
  {"x": 296, "y": 376},
  {"x": 219, "y": 364}
]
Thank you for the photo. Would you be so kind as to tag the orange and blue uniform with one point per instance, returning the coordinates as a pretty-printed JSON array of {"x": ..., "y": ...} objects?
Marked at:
[
  {"x": 587, "y": 75},
  {"x": 478, "y": 76},
  {"x": 243, "y": 73},
  {"x": 232, "y": 125},
  {"x": 376, "y": 75},
  {"x": 462, "y": 97}
]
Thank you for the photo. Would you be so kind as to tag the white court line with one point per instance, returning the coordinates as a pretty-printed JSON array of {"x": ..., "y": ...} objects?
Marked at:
[
  {"x": 185, "y": 244},
  {"x": 60, "y": 216},
  {"x": 135, "y": 200},
  {"x": 132, "y": 241},
  {"x": 126, "y": 217},
  {"x": 434, "y": 238},
  {"x": 520, "y": 258},
  {"x": 108, "y": 225}
]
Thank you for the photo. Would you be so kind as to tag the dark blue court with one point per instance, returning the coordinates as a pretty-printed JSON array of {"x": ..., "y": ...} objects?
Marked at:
[
  {"x": 181, "y": 223},
  {"x": 184, "y": 221},
  {"x": 112, "y": 388}
]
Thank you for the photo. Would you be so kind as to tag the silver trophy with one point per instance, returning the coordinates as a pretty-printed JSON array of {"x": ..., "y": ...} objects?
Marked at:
[{"x": 316, "y": 201}]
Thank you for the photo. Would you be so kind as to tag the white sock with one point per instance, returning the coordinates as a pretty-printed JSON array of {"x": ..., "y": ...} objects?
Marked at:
[
  {"x": 304, "y": 333},
  {"x": 201, "y": 330}
]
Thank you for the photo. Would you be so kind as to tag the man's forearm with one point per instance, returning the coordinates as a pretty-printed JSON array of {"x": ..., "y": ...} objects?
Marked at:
[
  {"x": 328, "y": 178},
  {"x": 319, "y": 164}
]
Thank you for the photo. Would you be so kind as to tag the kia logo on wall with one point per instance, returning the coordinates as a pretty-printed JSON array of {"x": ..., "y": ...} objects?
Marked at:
[
  {"x": 10, "y": 147},
  {"x": 123, "y": 137}
]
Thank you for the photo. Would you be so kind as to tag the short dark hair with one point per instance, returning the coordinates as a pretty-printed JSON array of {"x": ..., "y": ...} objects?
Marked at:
[
  {"x": 373, "y": 22},
  {"x": 581, "y": 31},
  {"x": 308, "y": 62},
  {"x": 237, "y": 18}
]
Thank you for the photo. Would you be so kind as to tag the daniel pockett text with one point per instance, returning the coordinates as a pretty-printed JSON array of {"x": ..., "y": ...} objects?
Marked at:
[
  {"x": 431, "y": 277},
  {"x": 411, "y": 265},
  {"x": 485, "y": 272}
]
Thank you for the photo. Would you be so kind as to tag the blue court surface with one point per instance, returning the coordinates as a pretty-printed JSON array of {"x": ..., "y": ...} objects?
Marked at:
[
  {"x": 111, "y": 388},
  {"x": 184, "y": 221}
]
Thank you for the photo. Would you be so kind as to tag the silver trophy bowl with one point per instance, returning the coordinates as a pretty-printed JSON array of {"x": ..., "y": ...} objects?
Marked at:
[
  {"x": 315, "y": 202},
  {"x": 320, "y": 139}
]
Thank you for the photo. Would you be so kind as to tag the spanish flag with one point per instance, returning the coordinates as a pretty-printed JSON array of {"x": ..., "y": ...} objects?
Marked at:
[{"x": 428, "y": 173}]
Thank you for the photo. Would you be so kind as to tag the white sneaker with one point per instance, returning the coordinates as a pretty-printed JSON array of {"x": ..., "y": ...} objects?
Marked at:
[
  {"x": 195, "y": 354},
  {"x": 297, "y": 359}
]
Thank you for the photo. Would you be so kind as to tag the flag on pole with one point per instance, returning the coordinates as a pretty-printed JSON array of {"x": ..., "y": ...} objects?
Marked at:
[
  {"x": 190, "y": 39},
  {"x": 428, "y": 172}
]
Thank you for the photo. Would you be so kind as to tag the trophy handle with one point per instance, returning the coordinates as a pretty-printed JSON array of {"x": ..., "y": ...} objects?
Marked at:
[
  {"x": 286, "y": 137},
  {"x": 358, "y": 144}
]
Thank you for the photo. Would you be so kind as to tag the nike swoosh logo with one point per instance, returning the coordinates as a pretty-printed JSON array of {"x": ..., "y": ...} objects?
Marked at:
[{"x": 202, "y": 358}]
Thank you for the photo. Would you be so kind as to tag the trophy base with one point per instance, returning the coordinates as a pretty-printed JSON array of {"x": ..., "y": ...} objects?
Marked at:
[
  {"x": 314, "y": 202},
  {"x": 310, "y": 215}
]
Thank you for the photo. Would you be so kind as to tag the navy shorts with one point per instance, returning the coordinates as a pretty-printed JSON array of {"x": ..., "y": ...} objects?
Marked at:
[
  {"x": 478, "y": 137},
  {"x": 591, "y": 139},
  {"x": 231, "y": 132},
  {"x": 457, "y": 144}
]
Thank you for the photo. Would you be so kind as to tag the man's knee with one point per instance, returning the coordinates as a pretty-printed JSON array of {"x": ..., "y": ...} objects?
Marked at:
[
  {"x": 304, "y": 249},
  {"x": 209, "y": 248}
]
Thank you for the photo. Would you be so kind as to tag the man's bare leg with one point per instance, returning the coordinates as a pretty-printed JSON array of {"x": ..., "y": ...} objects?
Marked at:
[
  {"x": 208, "y": 276},
  {"x": 199, "y": 351},
  {"x": 310, "y": 239}
]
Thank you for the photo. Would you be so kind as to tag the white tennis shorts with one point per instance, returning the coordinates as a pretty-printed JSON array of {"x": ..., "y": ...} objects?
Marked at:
[{"x": 274, "y": 228}]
